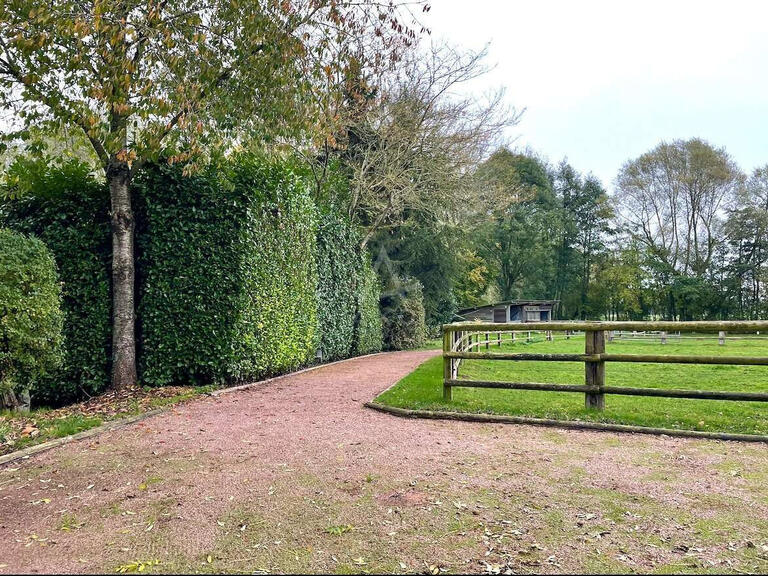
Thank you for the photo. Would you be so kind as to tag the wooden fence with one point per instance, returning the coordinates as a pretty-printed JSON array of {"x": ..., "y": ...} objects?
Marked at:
[{"x": 466, "y": 340}]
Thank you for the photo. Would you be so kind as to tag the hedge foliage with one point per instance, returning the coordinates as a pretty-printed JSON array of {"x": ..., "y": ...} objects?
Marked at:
[
  {"x": 368, "y": 333},
  {"x": 403, "y": 316},
  {"x": 237, "y": 275},
  {"x": 340, "y": 279},
  {"x": 30, "y": 308},
  {"x": 67, "y": 209},
  {"x": 349, "y": 320},
  {"x": 227, "y": 273}
]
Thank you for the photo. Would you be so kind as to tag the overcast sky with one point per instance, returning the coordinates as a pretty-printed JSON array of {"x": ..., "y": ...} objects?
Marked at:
[{"x": 605, "y": 81}]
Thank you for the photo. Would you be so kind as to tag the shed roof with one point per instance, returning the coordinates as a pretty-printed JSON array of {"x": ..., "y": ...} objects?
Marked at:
[{"x": 508, "y": 303}]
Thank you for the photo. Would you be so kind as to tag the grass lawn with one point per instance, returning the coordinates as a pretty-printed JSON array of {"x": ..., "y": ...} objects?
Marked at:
[
  {"x": 422, "y": 389},
  {"x": 432, "y": 344}
]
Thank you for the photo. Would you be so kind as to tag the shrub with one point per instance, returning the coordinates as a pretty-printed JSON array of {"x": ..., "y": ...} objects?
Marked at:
[
  {"x": 30, "y": 304},
  {"x": 68, "y": 210},
  {"x": 280, "y": 260},
  {"x": 368, "y": 328},
  {"x": 403, "y": 316},
  {"x": 227, "y": 272}
]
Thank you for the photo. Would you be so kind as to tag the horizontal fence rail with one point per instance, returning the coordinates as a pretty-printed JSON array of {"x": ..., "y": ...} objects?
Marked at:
[
  {"x": 464, "y": 340},
  {"x": 736, "y": 326}
]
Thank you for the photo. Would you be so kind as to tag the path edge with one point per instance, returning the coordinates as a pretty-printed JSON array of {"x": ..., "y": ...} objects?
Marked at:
[
  {"x": 25, "y": 453},
  {"x": 258, "y": 383},
  {"x": 567, "y": 424}
]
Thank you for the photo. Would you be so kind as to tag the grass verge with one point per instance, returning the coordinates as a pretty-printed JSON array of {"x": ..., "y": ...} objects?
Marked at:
[
  {"x": 422, "y": 389},
  {"x": 20, "y": 430}
]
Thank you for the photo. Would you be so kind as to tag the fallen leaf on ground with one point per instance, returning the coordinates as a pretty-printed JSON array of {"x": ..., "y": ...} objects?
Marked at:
[{"x": 136, "y": 566}]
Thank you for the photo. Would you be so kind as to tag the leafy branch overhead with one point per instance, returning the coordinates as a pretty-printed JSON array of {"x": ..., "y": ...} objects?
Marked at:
[{"x": 172, "y": 77}]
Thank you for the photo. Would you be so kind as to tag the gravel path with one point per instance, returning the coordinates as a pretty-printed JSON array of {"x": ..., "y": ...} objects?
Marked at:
[{"x": 297, "y": 476}]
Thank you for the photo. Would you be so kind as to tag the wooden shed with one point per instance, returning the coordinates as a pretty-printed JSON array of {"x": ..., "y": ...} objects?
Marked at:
[{"x": 511, "y": 311}]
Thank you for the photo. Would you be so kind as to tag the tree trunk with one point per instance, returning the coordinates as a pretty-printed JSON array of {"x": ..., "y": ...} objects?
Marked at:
[
  {"x": 9, "y": 400},
  {"x": 123, "y": 333}
]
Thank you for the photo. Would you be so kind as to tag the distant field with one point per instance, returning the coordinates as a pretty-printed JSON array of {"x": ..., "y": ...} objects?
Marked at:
[{"x": 422, "y": 389}]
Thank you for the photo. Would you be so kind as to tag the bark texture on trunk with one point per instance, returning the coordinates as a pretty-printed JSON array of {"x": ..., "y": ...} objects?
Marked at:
[
  {"x": 123, "y": 315},
  {"x": 20, "y": 402}
]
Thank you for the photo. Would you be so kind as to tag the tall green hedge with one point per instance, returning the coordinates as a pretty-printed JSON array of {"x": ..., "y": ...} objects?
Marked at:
[
  {"x": 68, "y": 210},
  {"x": 227, "y": 272},
  {"x": 368, "y": 328},
  {"x": 338, "y": 279},
  {"x": 234, "y": 278},
  {"x": 30, "y": 315}
]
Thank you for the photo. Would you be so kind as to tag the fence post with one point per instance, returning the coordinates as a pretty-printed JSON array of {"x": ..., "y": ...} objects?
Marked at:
[
  {"x": 549, "y": 335},
  {"x": 455, "y": 363},
  {"x": 513, "y": 336},
  {"x": 594, "y": 372},
  {"x": 721, "y": 338},
  {"x": 528, "y": 338},
  {"x": 663, "y": 337},
  {"x": 498, "y": 339},
  {"x": 487, "y": 341},
  {"x": 447, "y": 366}
]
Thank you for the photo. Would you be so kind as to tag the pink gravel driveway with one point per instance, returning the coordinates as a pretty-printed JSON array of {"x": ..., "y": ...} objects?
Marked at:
[{"x": 297, "y": 476}]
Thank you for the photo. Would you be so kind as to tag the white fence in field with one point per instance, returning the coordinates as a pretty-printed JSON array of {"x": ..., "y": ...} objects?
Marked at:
[
  {"x": 664, "y": 337},
  {"x": 477, "y": 340}
]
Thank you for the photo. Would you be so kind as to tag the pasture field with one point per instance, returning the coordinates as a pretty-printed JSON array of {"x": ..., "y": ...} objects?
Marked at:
[{"x": 422, "y": 389}]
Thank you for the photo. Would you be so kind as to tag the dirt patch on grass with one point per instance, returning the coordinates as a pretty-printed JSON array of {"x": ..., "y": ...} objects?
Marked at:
[{"x": 407, "y": 498}]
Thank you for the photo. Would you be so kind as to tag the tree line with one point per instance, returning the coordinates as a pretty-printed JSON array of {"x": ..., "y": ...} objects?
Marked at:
[{"x": 682, "y": 237}]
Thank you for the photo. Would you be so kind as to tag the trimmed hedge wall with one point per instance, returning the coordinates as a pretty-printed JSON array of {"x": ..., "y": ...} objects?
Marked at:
[
  {"x": 226, "y": 272},
  {"x": 234, "y": 278},
  {"x": 368, "y": 329},
  {"x": 67, "y": 209},
  {"x": 348, "y": 291},
  {"x": 30, "y": 327}
]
